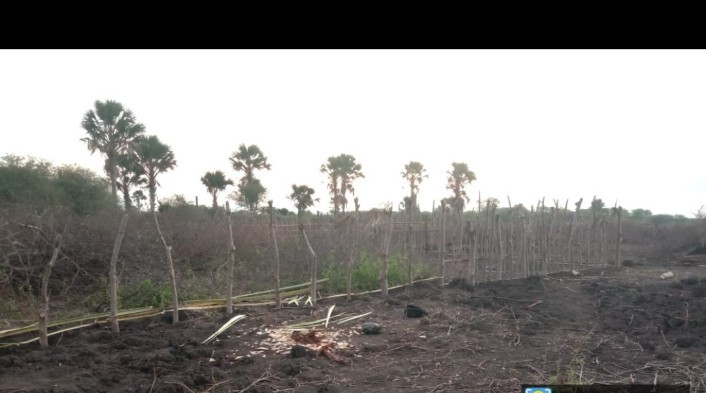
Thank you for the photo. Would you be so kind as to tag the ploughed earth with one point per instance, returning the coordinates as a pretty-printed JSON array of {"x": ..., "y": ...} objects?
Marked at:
[{"x": 614, "y": 325}]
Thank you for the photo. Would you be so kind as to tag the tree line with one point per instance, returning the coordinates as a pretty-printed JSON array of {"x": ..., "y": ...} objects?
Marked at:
[{"x": 133, "y": 161}]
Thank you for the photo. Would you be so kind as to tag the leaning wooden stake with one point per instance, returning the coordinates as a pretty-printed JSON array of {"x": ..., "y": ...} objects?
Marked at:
[
  {"x": 410, "y": 249},
  {"x": 501, "y": 252},
  {"x": 442, "y": 249},
  {"x": 170, "y": 267},
  {"x": 468, "y": 234},
  {"x": 312, "y": 263},
  {"x": 113, "y": 320},
  {"x": 44, "y": 311},
  {"x": 278, "y": 298},
  {"x": 570, "y": 246},
  {"x": 231, "y": 263},
  {"x": 511, "y": 246},
  {"x": 386, "y": 258},
  {"x": 618, "y": 262}
]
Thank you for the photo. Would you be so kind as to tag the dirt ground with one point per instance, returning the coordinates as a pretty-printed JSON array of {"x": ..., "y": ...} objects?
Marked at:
[{"x": 620, "y": 325}]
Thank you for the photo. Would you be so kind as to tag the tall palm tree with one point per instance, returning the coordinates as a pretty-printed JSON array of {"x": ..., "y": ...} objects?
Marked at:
[
  {"x": 110, "y": 129},
  {"x": 414, "y": 173},
  {"x": 154, "y": 157},
  {"x": 329, "y": 168},
  {"x": 215, "y": 182},
  {"x": 302, "y": 197},
  {"x": 248, "y": 159},
  {"x": 344, "y": 169},
  {"x": 459, "y": 177}
]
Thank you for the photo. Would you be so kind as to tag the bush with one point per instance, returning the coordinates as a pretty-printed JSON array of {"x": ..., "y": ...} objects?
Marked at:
[
  {"x": 145, "y": 294},
  {"x": 39, "y": 184},
  {"x": 366, "y": 273}
]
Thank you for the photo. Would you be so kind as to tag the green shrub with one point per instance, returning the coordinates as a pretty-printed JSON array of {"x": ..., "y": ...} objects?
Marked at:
[
  {"x": 366, "y": 272},
  {"x": 145, "y": 294}
]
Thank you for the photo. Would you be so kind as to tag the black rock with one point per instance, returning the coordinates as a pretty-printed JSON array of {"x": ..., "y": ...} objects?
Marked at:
[
  {"x": 299, "y": 351},
  {"x": 371, "y": 328},
  {"x": 413, "y": 311}
]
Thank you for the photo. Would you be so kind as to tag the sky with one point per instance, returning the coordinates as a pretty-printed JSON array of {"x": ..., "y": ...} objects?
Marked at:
[{"x": 626, "y": 126}]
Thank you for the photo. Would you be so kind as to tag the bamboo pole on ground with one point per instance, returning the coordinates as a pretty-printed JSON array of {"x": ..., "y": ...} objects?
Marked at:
[
  {"x": 44, "y": 310},
  {"x": 231, "y": 263},
  {"x": 273, "y": 236},
  {"x": 113, "y": 319},
  {"x": 170, "y": 267},
  {"x": 313, "y": 262},
  {"x": 386, "y": 257},
  {"x": 351, "y": 256}
]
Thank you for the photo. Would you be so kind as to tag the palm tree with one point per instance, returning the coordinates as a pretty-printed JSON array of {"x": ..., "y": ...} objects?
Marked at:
[
  {"x": 110, "y": 129},
  {"x": 459, "y": 177},
  {"x": 139, "y": 196},
  {"x": 248, "y": 159},
  {"x": 215, "y": 182},
  {"x": 344, "y": 170},
  {"x": 129, "y": 173},
  {"x": 302, "y": 197},
  {"x": 414, "y": 172},
  {"x": 333, "y": 174},
  {"x": 154, "y": 157}
]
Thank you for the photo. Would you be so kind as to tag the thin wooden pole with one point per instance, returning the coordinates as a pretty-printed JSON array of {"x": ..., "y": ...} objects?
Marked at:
[
  {"x": 113, "y": 320},
  {"x": 170, "y": 268},
  {"x": 443, "y": 242},
  {"x": 273, "y": 236},
  {"x": 386, "y": 259},
  {"x": 619, "y": 236},
  {"x": 44, "y": 311},
  {"x": 313, "y": 263},
  {"x": 231, "y": 263},
  {"x": 351, "y": 256},
  {"x": 511, "y": 250}
]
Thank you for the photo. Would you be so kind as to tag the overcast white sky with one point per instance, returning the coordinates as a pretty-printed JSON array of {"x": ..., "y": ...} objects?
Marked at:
[{"x": 622, "y": 125}]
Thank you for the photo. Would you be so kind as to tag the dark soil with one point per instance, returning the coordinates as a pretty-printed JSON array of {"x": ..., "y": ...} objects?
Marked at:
[{"x": 605, "y": 326}]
